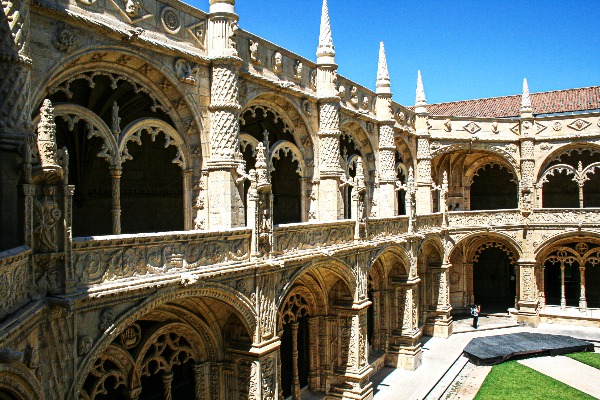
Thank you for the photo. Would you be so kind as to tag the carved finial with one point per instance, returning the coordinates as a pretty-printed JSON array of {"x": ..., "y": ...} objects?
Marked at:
[
  {"x": 383, "y": 76},
  {"x": 525, "y": 98},
  {"x": 360, "y": 175},
  {"x": 46, "y": 139},
  {"x": 410, "y": 181},
  {"x": 420, "y": 98},
  {"x": 262, "y": 173},
  {"x": 325, "y": 48}
]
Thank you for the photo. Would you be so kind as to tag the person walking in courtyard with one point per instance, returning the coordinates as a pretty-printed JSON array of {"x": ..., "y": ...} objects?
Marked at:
[{"x": 475, "y": 313}]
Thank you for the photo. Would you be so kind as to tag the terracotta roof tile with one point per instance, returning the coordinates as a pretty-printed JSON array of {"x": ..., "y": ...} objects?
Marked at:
[{"x": 558, "y": 101}]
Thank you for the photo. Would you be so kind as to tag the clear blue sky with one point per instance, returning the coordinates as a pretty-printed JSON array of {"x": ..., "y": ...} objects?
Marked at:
[{"x": 464, "y": 49}]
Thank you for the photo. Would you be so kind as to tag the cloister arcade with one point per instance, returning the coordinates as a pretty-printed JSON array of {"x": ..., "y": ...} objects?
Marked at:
[{"x": 191, "y": 212}]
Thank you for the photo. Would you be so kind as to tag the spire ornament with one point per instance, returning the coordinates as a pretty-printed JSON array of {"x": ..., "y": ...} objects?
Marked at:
[
  {"x": 46, "y": 140},
  {"x": 326, "y": 50},
  {"x": 525, "y": 98},
  {"x": 420, "y": 98},
  {"x": 383, "y": 76}
]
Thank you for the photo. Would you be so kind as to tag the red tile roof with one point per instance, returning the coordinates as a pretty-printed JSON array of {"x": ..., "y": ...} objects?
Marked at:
[{"x": 557, "y": 101}]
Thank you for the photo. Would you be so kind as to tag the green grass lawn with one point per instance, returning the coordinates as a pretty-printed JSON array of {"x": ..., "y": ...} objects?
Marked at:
[
  {"x": 511, "y": 380},
  {"x": 589, "y": 358}
]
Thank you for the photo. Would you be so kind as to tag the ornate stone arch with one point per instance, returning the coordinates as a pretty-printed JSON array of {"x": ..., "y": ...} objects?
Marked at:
[
  {"x": 153, "y": 126},
  {"x": 196, "y": 349},
  {"x": 146, "y": 73},
  {"x": 297, "y": 123},
  {"x": 542, "y": 167},
  {"x": 403, "y": 148},
  {"x": 20, "y": 381},
  {"x": 395, "y": 250},
  {"x": 301, "y": 301},
  {"x": 73, "y": 113},
  {"x": 476, "y": 242},
  {"x": 549, "y": 244},
  {"x": 363, "y": 143},
  {"x": 287, "y": 147},
  {"x": 474, "y": 169},
  {"x": 239, "y": 303},
  {"x": 498, "y": 150}
]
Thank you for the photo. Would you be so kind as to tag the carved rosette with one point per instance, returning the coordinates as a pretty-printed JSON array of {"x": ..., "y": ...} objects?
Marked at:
[{"x": 15, "y": 71}]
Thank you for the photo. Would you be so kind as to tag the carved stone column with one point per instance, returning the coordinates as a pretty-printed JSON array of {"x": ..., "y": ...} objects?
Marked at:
[
  {"x": 387, "y": 149},
  {"x": 439, "y": 323},
  {"x": 313, "y": 370},
  {"x": 187, "y": 199},
  {"x": 353, "y": 375},
  {"x": 167, "y": 380},
  {"x": 423, "y": 178},
  {"x": 541, "y": 283},
  {"x": 331, "y": 206},
  {"x": 405, "y": 350},
  {"x": 563, "y": 300},
  {"x": 526, "y": 192},
  {"x": 582, "y": 299},
  {"x": 295, "y": 377},
  {"x": 201, "y": 380},
  {"x": 16, "y": 130},
  {"x": 528, "y": 293},
  {"x": 115, "y": 175},
  {"x": 225, "y": 203}
]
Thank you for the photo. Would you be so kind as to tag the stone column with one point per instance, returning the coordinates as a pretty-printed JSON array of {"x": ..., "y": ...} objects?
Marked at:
[
  {"x": 405, "y": 350},
  {"x": 16, "y": 130},
  {"x": 187, "y": 199},
  {"x": 527, "y": 125},
  {"x": 201, "y": 380},
  {"x": 387, "y": 198},
  {"x": 313, "y": 372},
  {"x": 423, "y": 179},
  {"x": 541, "y": 281},
  {"x": 295, "y": 378},
  {"x": 167, "y": 380},
  {"x": 528, "y": 299},
  {"x": 563, "y": 300},
  {"x": 353, "y": 378},
  {"x": 582, "y": 299},
  {"x": 225, "y": 203},
  {"x": 331, "y": 204},
  {"x": 439, "y": 323},
  {"x": 115, "y": 175}
]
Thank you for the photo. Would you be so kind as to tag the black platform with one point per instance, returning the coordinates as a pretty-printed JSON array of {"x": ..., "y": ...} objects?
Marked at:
[{"x": 493, "y": 350}]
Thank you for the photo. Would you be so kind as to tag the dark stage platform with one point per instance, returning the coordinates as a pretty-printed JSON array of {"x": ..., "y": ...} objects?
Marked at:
[{"x": 493, "y": 350}]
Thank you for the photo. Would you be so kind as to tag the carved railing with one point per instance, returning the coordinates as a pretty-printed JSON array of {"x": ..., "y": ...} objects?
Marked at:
[
  {"x": 109, "y": 258},
  {"x": 381, "y": 227},
  {"x": 15, "y": 279},
  {"x": 484, "y": 218},
  {"x": 550, "y": 216},
  {"x": 304, "y": 236},
  {"x": 429, "y": 222}
]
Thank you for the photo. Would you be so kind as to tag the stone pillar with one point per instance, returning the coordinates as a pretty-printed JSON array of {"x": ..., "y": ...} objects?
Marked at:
[
  {"x": 115, "y": 174},
  {"x": 353, "y": 378},
  {"x": 541, "y": 283},
  {"x": 582, "y": 299},
  {"x": 563, "y": 300},
  {"x": 295, "y": 377},
  {"x": 528, "y": 294},
  {"x": 16, "y": 130},
  {"x": 313, "y": 371},
  {"x": 405, "y": 350},
  {"x": 167, "y": 380},
  {"x": 331, "y": 204},
  {"x": 387, "y": 198},
  {"x": 187, "y": 199},
  {"x": 201, "y": 380},
  {"x": 423, "y": 178},
  {"x": 225, "y": 203},
  {"x": 439, "y": 323},
  {"x": 527, "y": 125}
]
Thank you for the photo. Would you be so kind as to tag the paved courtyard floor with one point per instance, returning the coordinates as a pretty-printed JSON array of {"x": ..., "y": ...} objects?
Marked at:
[{"x": 440, "y": 355}]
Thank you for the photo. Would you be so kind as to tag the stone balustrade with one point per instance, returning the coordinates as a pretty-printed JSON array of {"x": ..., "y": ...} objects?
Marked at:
[
  {"x": 16, "y": 279},
  {"x": 111, "y": 258},
  {"x": 566, "y": 216},
  {"x": 304, "y": 236},
  {"x": 484, "y": 218},
  {"x": 382, "y": 227},
  {"x": 430, "y": 222}
]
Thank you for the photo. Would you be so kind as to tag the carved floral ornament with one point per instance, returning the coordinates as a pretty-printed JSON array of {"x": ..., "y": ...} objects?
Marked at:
[{"x": 170, "y": 20}]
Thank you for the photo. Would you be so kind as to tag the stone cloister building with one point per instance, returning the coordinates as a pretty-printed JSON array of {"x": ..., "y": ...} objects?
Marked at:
[{"x": 189, "y": 211}]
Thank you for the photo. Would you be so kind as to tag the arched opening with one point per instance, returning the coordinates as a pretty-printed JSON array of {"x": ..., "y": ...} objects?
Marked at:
[
  {"x": 266, "y": 126},
  {"x": 286, "y": 190},
  {"x": 554, "y": 283},
  {"x": 348, "y": 152},
  {"x": 571, "y": 180},
  {"x": 115, "y": 100},
  {"x": 494, "y": 278},
  {"x": 494, "y": 188},
  {"x": 151, "y": 187},
  {"x": 294, "y": 345},
  {"x": 402, "y": 176},
  {"x": 7, "y": 395}
]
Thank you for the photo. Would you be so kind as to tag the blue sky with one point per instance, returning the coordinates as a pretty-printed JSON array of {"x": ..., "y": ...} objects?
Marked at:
[{"x": 464, "y": 49}]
